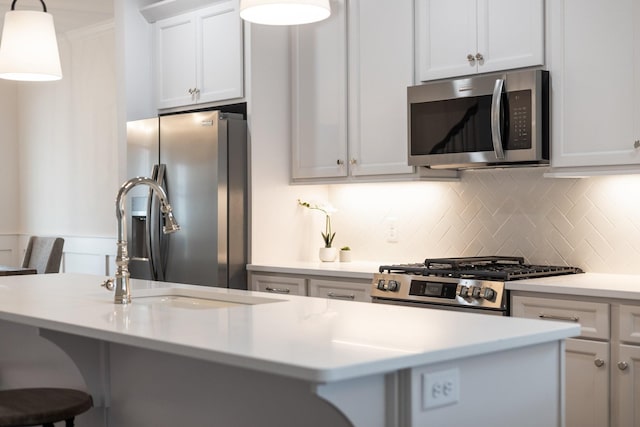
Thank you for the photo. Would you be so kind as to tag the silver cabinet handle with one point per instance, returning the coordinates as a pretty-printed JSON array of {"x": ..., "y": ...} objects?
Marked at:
[
  {"x": 353, "y": 161},
  {"x": 623, "y": 365},
  {"x": 599, "y": 363},
  {"x": 565, "y": 318},
  {"x": 471, "y": 59},
  {"x": 479, "y": 57},
  {"x": 340, "y": 162},
  {"x": 636, "y": 143},
  {"x": 341, "y": 296},
  {"x": 277, "y": 290},
  {"x": 496, "y": 123}
]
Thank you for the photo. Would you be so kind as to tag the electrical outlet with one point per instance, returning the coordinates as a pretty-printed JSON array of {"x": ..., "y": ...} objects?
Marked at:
[
  {"x": 392, "y": 230},
  {"x": 440, "y": 388}
]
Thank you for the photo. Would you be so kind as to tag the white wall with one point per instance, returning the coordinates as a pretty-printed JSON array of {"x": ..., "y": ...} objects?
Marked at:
[
  {"x": 278, "y": 231},
  {"x": 65, "y": 134}
]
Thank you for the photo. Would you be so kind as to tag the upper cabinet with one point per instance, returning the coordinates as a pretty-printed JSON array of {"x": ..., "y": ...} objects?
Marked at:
[
  {"x": 595, "y": 63},
  {"x": 199, "y": 56},
  {"x": 462, "y": 37},
  {"x": 349, "y": 82}
]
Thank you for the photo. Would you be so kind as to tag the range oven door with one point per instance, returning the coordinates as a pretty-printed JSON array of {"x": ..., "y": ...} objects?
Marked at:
[{"x": 377, "y": 300}]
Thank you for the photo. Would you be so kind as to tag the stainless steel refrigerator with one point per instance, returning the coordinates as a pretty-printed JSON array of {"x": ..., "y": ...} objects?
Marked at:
[{"x": 200, "y": 159}]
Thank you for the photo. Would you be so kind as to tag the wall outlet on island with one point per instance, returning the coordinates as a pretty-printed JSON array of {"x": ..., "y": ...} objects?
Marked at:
[
  {"x": 392, "y": 230},
  {"x": 440, "y": 388}
]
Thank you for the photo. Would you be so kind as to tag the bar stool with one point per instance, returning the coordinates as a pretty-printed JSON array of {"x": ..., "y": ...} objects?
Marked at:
[{"x": 42, "y": 406}]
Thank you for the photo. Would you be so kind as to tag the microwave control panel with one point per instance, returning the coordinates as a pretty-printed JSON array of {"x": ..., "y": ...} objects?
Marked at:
[{"x": 519, "y": 136}]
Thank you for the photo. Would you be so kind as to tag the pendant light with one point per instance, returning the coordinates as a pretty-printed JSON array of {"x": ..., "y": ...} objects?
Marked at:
[
  {"x": 28, "y": 48},
  {"x": 284, "y": 12}
]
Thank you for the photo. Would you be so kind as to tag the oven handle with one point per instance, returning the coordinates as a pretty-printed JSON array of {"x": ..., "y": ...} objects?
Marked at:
[{"x": 496, "y": 125}]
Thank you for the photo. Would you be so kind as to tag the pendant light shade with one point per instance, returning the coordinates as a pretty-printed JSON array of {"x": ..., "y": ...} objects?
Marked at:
[
  {"x": 284, "y": 12},
  {"x": 28, "y": 48}
]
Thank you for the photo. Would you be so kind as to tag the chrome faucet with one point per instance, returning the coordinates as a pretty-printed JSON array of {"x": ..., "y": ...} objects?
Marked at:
[{"x": 122, "y": 287}]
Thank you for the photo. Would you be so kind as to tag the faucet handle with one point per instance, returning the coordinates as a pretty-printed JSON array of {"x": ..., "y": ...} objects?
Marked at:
[{"x": 108, "y": 284}]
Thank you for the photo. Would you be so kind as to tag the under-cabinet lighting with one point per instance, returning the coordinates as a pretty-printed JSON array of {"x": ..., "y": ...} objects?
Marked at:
[
  {"x": 284, "y": 12},
  {"x": 29, "y": 48}
]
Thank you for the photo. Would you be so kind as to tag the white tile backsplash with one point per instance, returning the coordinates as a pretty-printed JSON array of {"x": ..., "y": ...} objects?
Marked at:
[{"x": 592, "y": 223}]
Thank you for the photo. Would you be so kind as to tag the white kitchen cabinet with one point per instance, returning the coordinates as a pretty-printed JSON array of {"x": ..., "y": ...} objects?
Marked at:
[
  {"x": 594, "y": 64},
  {"x": 587, "y": 383},
  {"x": 603, "y": 363},
  {"x": 461, "y": 37},
  {"x": 349, "y": 80},
  {"x": 340, "y": 289},
  {"x": 315, "y": 286},
  {"x": 587, "y": 357},
  {"x": 286, "y": 285},
  {"x": 626, "y": 380},
  {"x": 199, "y": 56}
]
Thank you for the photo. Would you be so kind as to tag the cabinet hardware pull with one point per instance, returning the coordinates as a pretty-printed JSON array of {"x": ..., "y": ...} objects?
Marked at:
[
  {"x": 479, "y": 57},
  {"x": 353, "y": 161},
  {"x": 565, "y": 318},
  {"x": 471, "y": 59},
  {"x": 341, "y": 296},
  {"x": 277, "y": 290},
  {"x": 599, "y": 363},
  {"x": 623, "y": 365},
  {"x": 636, "y": 143},
  {"x": 340, "y": 162}
]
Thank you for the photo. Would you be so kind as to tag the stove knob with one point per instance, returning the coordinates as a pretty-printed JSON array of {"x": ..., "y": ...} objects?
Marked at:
[
  {"x": 392, "y": 286},
  {"x": 381, "y": 285},
  {"x": 464, "y": 291},
  {"x": 475, "y": 292},
  {"x": 489, "y": 294}
]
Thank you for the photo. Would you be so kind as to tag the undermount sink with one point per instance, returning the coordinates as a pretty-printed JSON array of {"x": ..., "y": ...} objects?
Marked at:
[{"x": 194, "y": 299}]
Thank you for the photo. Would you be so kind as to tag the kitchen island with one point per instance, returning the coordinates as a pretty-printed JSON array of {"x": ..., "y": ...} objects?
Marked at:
[{"x": 188, "y": 355}]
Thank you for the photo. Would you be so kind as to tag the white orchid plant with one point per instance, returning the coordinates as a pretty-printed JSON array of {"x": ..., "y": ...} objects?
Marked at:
[{"x": 327, "y": 235}]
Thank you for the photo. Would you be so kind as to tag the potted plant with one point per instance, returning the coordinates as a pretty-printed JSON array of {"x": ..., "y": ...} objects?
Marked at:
[
  {"x": 326, "y": 253},
  {"x": 345, "y": 254}
]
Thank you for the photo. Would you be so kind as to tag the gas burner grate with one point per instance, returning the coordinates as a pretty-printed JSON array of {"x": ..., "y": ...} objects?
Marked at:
[{"x": 487, "y": 268}]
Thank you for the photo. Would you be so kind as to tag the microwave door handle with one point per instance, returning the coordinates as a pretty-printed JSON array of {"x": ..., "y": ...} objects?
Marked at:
[{"x": 496, "y": 125}]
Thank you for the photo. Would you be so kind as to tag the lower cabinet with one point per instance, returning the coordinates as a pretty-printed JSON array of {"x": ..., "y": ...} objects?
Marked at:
[
  {"x": 325, "y": 287},
  {"x": 602, "y": 364}
]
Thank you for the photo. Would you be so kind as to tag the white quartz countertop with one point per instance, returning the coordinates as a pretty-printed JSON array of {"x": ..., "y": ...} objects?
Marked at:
[
  {"x": 313, "y": 339},
  {"x": 353, "y": 270},
  {"x": 620, "y": 286}
]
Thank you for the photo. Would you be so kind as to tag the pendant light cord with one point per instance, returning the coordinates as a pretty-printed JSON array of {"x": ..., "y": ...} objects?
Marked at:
[{"x": 44, "y": 6}]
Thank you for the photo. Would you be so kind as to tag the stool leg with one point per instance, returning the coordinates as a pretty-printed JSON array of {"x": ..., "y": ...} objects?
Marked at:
[
  {"x": 48, "y": 425},
  {"x": 69, "y": 422}
]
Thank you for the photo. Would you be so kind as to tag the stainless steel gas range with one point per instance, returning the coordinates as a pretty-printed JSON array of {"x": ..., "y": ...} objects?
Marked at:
[{"x": 460, "y": 284}]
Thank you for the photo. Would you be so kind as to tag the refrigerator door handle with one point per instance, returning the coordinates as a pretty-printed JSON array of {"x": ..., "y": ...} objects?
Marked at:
[
  {"x": 150, "y": 241},
  {"x": 161, "y": 241}
]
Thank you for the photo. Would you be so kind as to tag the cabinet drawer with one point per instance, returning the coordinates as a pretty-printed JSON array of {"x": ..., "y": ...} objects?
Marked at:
[
  {"x": 592, "y": 316},
  {"x": 347, "y": 291},
  {"x": 630, "y": 323},
  {"x": 278, "y": 284}
]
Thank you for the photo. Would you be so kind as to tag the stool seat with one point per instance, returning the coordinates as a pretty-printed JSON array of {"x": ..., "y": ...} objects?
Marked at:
[{"x": 41, "y": 406}]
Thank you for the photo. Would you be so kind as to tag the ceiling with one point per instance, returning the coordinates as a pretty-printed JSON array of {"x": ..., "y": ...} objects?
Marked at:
[{"x": 67, "y": 14}]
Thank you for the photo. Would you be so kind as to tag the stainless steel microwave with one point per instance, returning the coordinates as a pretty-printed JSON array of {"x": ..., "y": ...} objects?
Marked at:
[{"x": 484, "y": 121}]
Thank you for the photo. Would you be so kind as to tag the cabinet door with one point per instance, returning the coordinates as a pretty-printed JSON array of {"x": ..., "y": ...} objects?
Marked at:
[
  {"x": 594, "y": 65},
  {"x": 628, "y": 386},
  {"x": 220, "y": 52},
  {"x": 445, "y": 36},
  {"x": 342, "y": 290},
  {"x": 319, "y": 91},
  {"x": 175, "y": 60},
  {"x": 510, "y": 34},
  {"x": 380, "y": 69},
  {"x": 279, "y": 284},
  {"x": 587, "y": 384}
]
